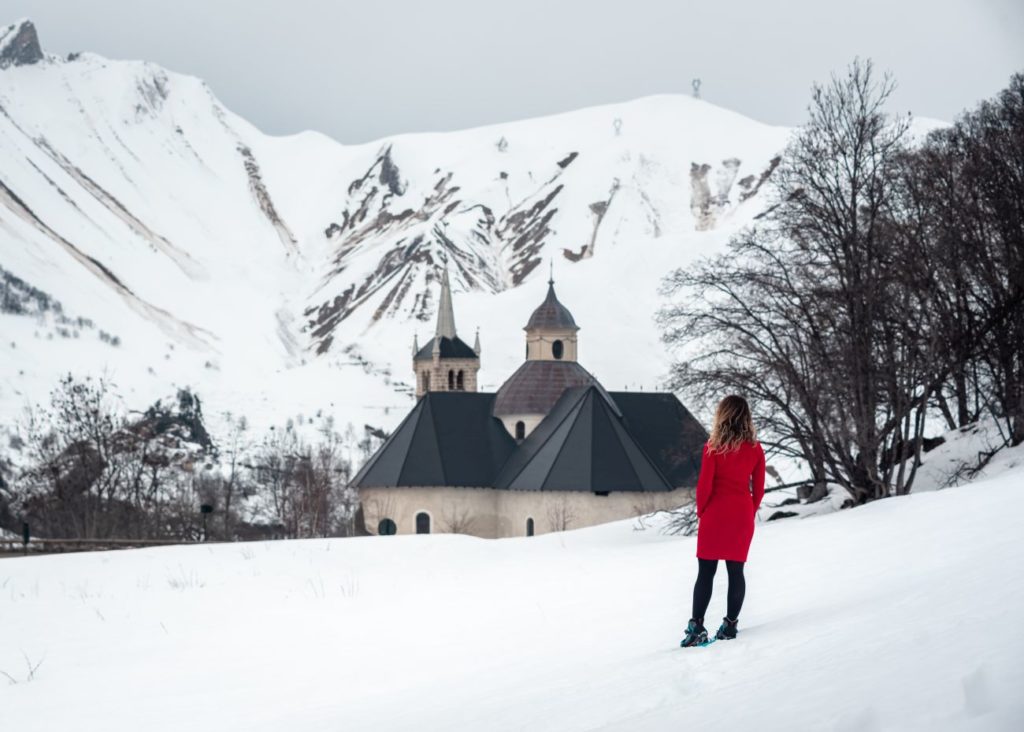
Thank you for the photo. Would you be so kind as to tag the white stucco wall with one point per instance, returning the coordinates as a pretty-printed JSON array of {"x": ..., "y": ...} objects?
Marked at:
[
  {"x": 539, "y": 345},
  {"x": 493, "y": 514},
  {"x": 530, "y": 421}
]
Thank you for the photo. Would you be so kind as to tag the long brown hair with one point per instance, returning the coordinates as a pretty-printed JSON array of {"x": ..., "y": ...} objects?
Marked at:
[{"x": 733, "y": 425}]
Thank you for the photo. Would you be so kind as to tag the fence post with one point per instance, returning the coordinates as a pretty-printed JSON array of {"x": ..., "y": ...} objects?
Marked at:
[{"x": 26, "y": 534}]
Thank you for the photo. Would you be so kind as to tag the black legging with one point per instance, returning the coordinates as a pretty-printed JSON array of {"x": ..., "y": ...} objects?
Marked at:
[{"x": 705, "y": 582}]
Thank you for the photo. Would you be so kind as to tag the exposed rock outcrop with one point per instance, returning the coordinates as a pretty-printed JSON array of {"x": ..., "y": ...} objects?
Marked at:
[{"x": 19, "y": 45}]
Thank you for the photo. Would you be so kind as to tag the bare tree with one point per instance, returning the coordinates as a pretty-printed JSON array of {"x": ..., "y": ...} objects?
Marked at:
[
  {"x": 376, "y": 510},
  {"x": 97, "y": 471},
  {"x": 561, "y": 514},
  {"x": 797, "y": 314},
  {"x": 457, "y": 519},
  {"x": 883, "y": 281}
]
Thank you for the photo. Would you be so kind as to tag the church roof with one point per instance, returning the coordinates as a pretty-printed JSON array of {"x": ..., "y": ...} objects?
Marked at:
[
  {"x": 669, "y": 434},
  {"x": 551, "y": 314},
  {"x": 582, "y": 445},
  {"x": 536, "y": 385},
  {"x": 450, "y": 348},
  {"x": 590, "y": 441},
  {"x": 448, "y": 439}
]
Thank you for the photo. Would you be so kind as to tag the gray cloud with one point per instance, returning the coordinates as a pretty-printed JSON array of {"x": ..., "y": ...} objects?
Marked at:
[{"x": 363, "y": 70}]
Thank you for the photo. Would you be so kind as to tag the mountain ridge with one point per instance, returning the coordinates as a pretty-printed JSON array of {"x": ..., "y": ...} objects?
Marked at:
[{"x": 140, "y": 201}]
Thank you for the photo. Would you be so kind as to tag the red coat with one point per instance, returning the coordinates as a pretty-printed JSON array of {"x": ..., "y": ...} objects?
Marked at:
[{"x": 729, "y": 491}]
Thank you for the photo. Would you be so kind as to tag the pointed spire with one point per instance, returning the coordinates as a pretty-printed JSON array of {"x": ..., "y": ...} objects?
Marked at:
[
  {"x": 415, "y": 344},
  {"x": 476, "y": 344},
  {"x": 445, "y": 312},
  {"x": 551, "y": 272}
]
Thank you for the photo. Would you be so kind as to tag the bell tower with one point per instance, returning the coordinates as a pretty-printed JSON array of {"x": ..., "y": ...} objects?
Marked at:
[
  {"x": 445, "y": 362},
  {"x": 551, "y": 331}
]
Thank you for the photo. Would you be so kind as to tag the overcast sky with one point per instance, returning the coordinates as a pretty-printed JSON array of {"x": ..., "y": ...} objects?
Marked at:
[{"x": 363, "y": 70}]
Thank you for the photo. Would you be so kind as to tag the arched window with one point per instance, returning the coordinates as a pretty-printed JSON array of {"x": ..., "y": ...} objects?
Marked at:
[
  {"x": 529, "y": 527},
  {"x": 422, "y": 523},
  {"x": 556, "y": 349},
  {"x": 520, "y": 430},
  {"x": 426, "y": 380},
  {"x": 387, "y": 527},
  {"x": 460, "y": 382},
  {"x": 527, "y": 350},
  {"x": 451, "y": 381}
]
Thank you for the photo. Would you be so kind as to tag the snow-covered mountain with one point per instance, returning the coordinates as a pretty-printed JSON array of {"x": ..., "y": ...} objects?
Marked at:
[{"x": 148, "y": 232}]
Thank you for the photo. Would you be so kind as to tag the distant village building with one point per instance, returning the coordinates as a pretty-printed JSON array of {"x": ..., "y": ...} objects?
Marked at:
[{"x": 550, "y": 450}]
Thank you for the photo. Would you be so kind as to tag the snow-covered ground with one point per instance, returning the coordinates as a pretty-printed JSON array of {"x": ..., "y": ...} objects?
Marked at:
[{"x": 903, "y": 615}]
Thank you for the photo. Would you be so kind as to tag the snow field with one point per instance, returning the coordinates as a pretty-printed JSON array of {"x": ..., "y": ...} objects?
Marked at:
[{"x": 903, "y": 614}]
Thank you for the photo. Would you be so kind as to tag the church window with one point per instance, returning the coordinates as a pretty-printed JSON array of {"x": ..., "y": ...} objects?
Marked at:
[
  {"x": 387, "y": 527},
  {"x": 423, "y": 523},
  {"x": 556, "y": 349},
  {"x": 451, "y": 381},
  {"x": 520, "y": 430},
  {"x": 460, "y": 382},
  {"x": 529, "y": 527},
  {"x": 426, "y": 380}
]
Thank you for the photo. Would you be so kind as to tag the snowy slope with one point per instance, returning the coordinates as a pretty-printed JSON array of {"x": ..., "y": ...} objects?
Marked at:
[
  {"x": 286, "y": 275},
  {"x": 903, "y": 614}
]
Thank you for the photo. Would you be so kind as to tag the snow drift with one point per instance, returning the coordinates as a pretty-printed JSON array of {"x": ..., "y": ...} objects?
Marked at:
[{"x": 902, "y": 614}]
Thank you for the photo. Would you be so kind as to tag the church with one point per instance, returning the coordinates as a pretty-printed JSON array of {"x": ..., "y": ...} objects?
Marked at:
[{"x": 550, "y": 450}]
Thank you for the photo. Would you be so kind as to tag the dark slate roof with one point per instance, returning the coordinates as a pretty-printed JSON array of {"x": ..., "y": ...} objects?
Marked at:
[
  {"x": 551, "y": 314},
  {"x": 450, "y": 348},
  {"x": 582, "y": 445},
  {"x": 536, "y": 385},
  {"x": 449, "y": 439},
  {"x": 666, "y": 430},
  {"x": 590, "y": 441}
]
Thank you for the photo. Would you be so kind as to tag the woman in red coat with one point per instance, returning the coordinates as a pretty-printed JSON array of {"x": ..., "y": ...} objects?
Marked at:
[{"x": 729, "y": 491}]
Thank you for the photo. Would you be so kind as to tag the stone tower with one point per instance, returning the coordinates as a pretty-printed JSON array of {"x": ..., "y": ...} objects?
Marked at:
[
  {"x": 445, "y": 362},
  {"x": 550, "y": 368},
  {"x": 551, "y": 331}
]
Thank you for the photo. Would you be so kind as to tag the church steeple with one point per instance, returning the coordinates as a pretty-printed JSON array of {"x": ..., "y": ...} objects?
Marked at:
[
  {"x": 445, "y": 362},
  {"x": 445, "y": 312}
]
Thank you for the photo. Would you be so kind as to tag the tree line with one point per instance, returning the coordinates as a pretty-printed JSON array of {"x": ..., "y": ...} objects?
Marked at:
[
  {"x": 882, "y": 290},
  {"x": 84, "y": 467}
]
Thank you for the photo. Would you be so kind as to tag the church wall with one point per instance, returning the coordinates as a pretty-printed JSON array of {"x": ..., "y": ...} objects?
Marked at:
[
  {"x": 452, "y": 510},
  {"x": 539, "y": 345},
  {"x": 529, "y": 422},
  {"x": 562, "y": 510},
  {"x": 492, "y": 514}
]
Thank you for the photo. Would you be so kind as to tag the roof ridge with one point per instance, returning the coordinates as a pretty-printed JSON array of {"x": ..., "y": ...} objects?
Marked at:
[
  {"x": 375, "y": 458},
  {"x": 576, "y": 409},
  {"x": 421, "y": 404},
  {"x": 554, "y": 429},
  {"x": 629, "y": 436},
  {"x": 638, "y": 446},
  {"x": 437, "y": 443}
]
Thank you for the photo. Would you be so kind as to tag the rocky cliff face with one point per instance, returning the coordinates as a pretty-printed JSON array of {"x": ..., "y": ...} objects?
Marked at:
[{"x": 19, "y": 45}]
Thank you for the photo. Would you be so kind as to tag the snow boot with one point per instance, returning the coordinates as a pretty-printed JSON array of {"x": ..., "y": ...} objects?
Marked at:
[
  {"x": 727, "y": 630},
  {"x": 696, "y": 634}
]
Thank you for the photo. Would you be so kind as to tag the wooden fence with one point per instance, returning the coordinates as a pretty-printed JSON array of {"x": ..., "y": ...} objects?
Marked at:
[{"x": 9, "y": 547}]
